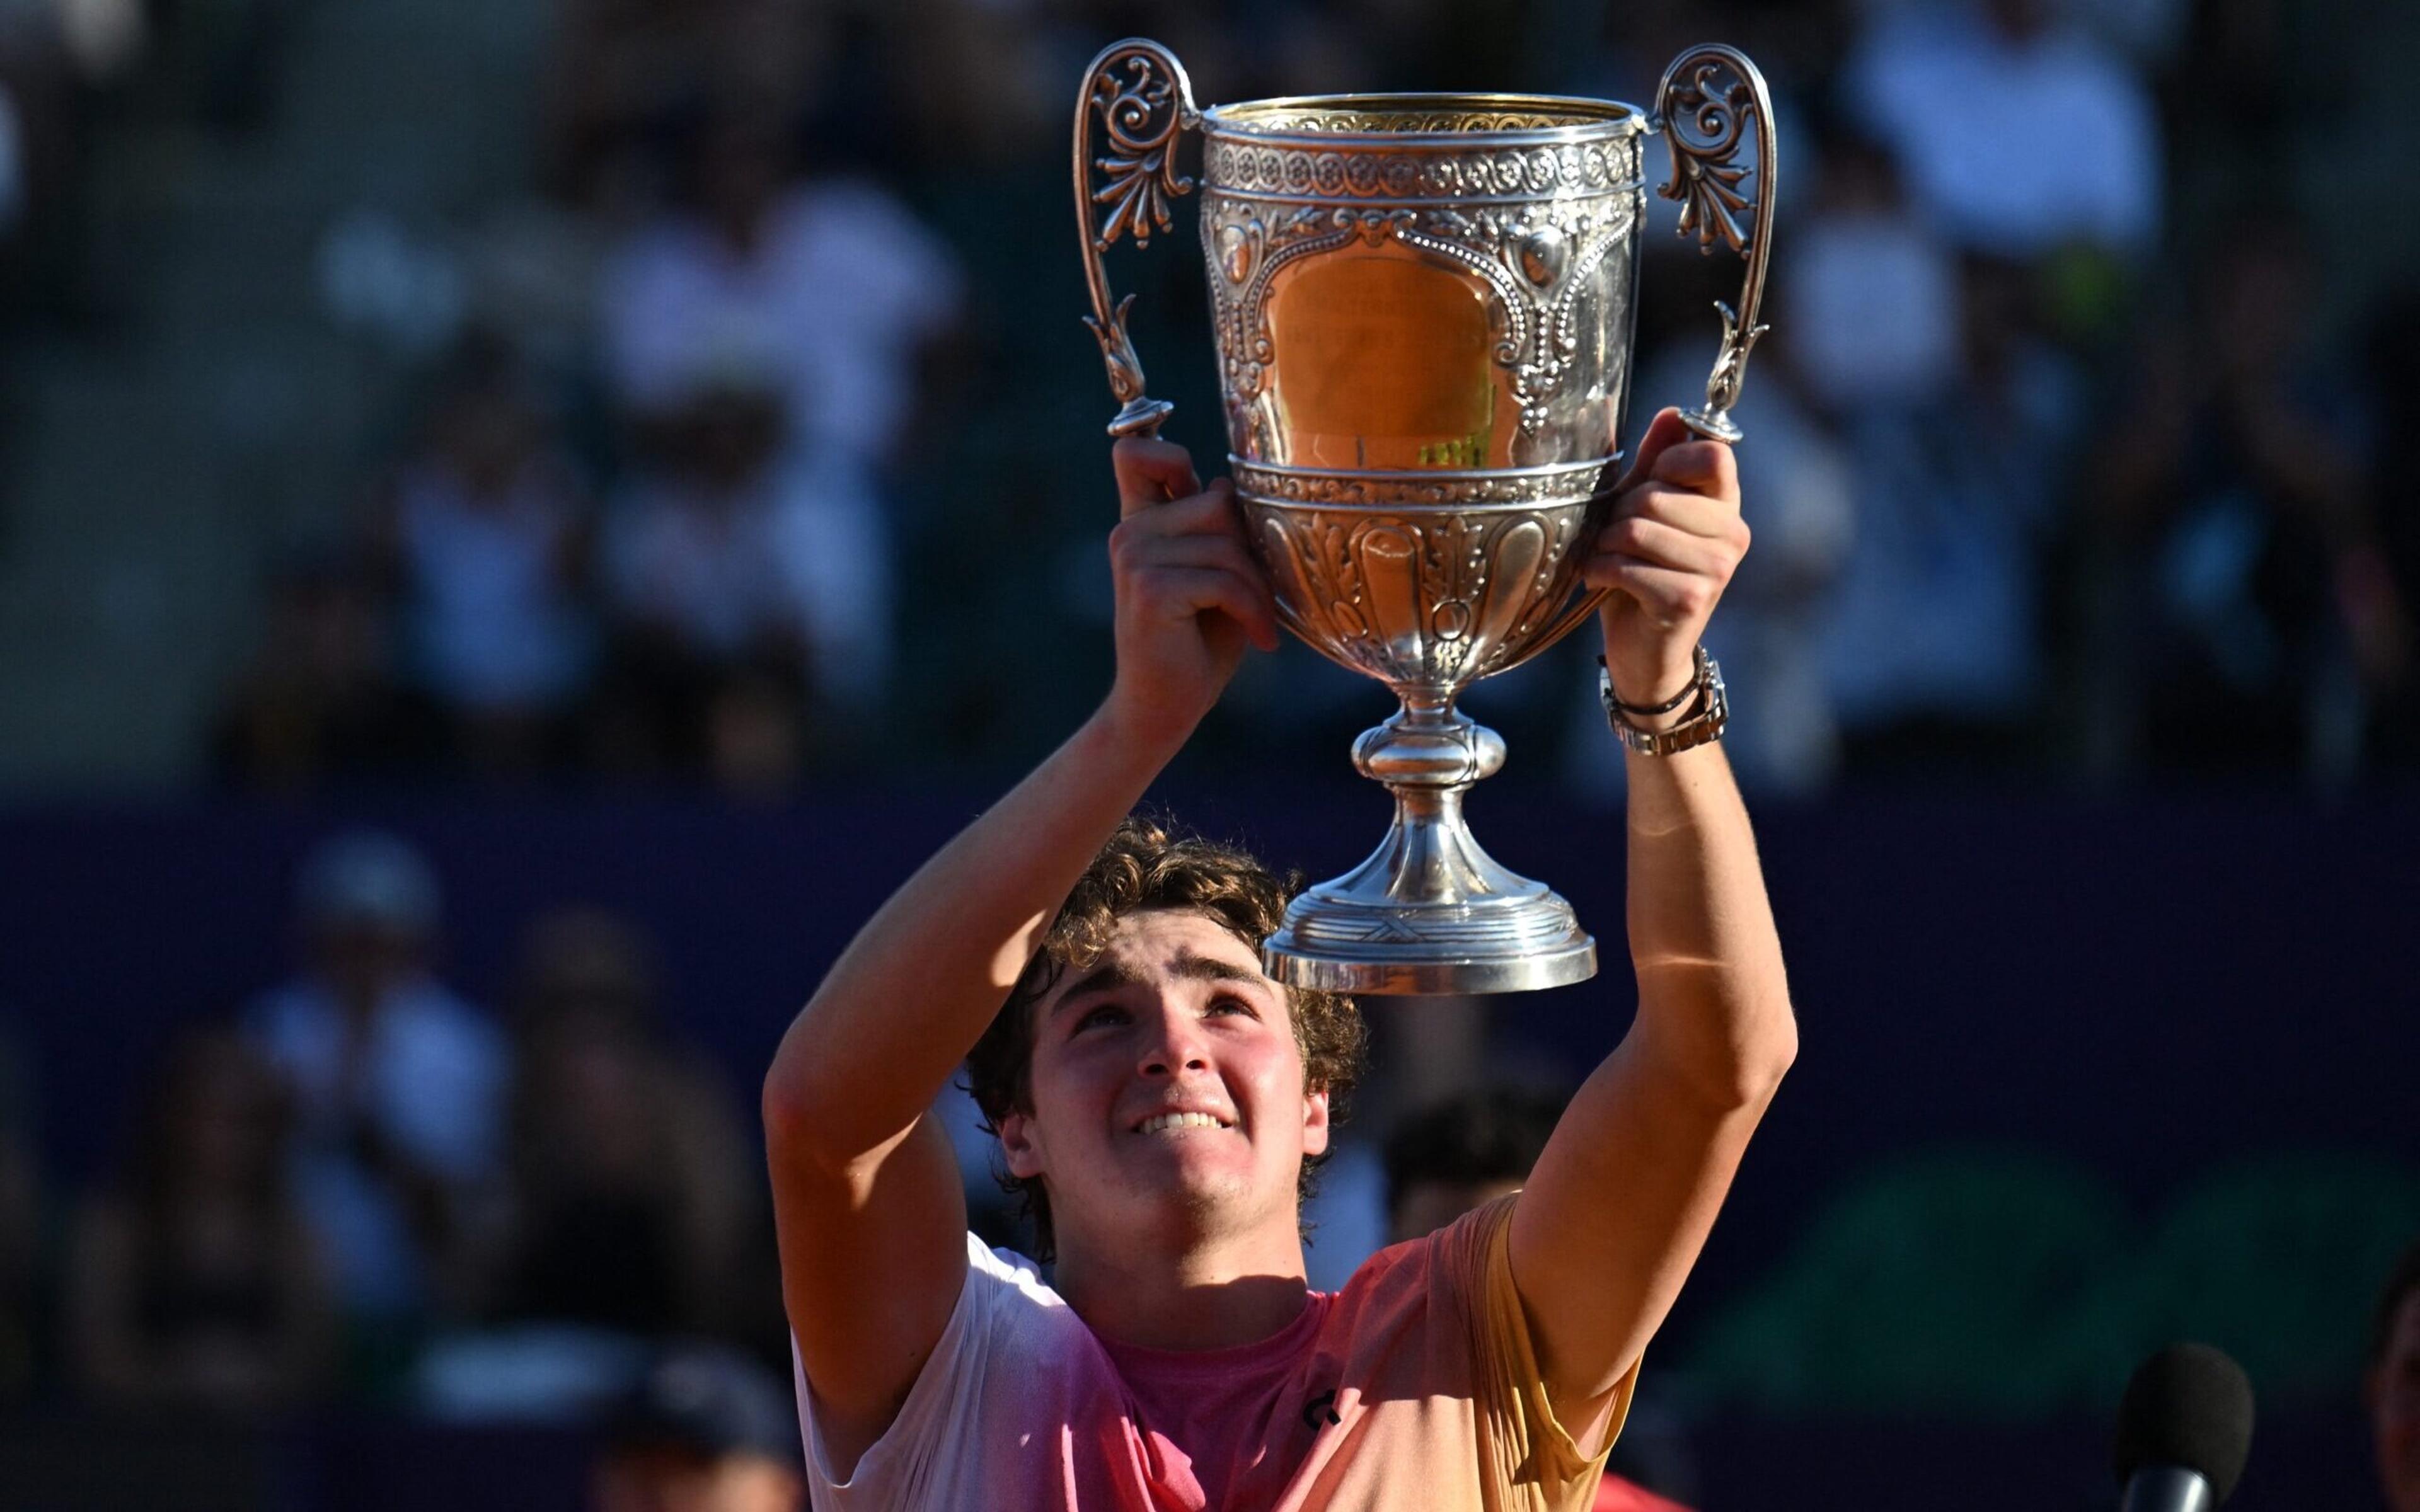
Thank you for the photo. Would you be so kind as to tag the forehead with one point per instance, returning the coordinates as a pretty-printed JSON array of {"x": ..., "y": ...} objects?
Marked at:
[{"x": 1159, "y": 944}]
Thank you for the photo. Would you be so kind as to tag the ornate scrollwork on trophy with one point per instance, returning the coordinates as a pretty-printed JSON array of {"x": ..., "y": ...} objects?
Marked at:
[
  {"x": 1466, "y": 176},
  {"x": 1710, "y": 99},
  {"x": 1142, "y": 99},
  {"x": 1420, "y": 599},
  {"x": 1570, "y": 485}
]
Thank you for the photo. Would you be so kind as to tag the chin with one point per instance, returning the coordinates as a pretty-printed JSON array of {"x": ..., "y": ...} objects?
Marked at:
[{"x": 1201, "y": 1202}]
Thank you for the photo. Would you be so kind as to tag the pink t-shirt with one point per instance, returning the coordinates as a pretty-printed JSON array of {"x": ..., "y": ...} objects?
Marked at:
[{"x": 1413, "y": 1386}]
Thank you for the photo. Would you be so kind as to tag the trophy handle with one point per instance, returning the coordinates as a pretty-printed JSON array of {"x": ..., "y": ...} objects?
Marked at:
[
  {"x": 1143, "y": 99},
  {"x": 1704, "y": 116}
]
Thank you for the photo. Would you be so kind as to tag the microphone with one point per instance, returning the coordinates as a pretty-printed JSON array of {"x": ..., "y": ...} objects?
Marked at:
[{"x": 2183, "y": 1430}]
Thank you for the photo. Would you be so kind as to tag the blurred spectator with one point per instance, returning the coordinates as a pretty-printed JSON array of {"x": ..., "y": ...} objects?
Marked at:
[
  {"x": 47, "y": 99},
  {"x": 823, "y": 292},
  {"x": 1872, "y": 290},
  {"x": 485, "y": 538},
  {"x": 705, "y": 1430},
  {"x": 627, "y": 1202},
  {"x": 2392, "y": 1385},
  {"x": 2245, "y": 562},
  {"x": 20, "y": 1223},
  {"x": 320, "y": 699},
  {"x": 397, "y": 1082},
  {"x": 690, "y": 554},
  {"x": 710, "y": 657},
  {"x": 193, "y": 1278},
  {"x": 627, "y": 1186},
  {"x": 2022, "y": 133},
  {"x": 1446, "y": 1159},
  {"x": 1933, "y": 647},
  {"x": 1434, "y": 1048}
]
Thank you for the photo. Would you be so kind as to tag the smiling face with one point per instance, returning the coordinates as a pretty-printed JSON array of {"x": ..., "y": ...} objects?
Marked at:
[{"x": 1167, "y": 1093}]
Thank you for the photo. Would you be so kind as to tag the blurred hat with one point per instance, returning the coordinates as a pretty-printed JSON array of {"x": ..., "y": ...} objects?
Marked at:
[
  {"x": 368, "y": 877},
  {"x": 712, "y": 1402}
]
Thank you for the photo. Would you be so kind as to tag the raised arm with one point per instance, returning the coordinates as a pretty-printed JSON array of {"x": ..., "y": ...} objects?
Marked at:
[
  {"x": 865, "y": 1194},
  {"x": 1620, "y": 1204}
]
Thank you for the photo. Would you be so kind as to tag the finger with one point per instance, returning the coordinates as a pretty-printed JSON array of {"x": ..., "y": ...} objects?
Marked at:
[
  {"x": 1707, "y": 467},
  {"x": 1151, "y": 472},
  {"x": 1670, "y": 597},
  {"x": 1214, "y": 553},
  {"x": 1223, "y": 552},
  {"x": 1664, "y": 432},
  {"x": 1147, "y": 536},
  {"x": 1717, "y": 519},
  {"x": 1202, "y": 590},
  {"x": 1659, "y": 545},
  {"x": 1210, "y": 511}
]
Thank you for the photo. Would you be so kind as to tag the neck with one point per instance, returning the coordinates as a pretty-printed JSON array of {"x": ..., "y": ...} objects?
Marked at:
[{"x": 1205, "y": 1294}]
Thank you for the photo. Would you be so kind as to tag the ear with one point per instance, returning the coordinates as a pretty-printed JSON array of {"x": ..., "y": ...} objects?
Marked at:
[
  {"x": 1314, "y": 1123},
  {"x": 1019, "y": 1146}
]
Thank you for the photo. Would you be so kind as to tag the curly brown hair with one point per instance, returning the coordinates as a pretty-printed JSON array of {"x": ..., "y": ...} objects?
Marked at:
[{"x": 1147, "y": 865}]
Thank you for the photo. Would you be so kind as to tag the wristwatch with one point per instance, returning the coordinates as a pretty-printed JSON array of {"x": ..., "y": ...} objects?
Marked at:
[{"x": 1709, "y": 711}]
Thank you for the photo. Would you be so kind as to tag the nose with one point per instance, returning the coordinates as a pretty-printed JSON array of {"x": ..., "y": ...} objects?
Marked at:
[{"x": 1175, "y": 1044}]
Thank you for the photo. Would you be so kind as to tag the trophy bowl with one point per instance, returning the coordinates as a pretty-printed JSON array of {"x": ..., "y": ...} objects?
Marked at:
[{"x": 1423, "y": 307}]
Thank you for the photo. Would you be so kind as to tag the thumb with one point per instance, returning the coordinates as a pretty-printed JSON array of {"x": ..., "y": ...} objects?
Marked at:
[{"x": 1666, "y": 431}]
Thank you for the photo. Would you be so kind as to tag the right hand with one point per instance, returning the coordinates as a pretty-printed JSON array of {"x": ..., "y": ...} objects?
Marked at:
[{"x": 1189, "y": 595}]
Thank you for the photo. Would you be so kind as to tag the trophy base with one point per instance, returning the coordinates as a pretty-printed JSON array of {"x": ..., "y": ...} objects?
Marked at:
[
  {"x": 1429, "y": 912},
  {"x": 1514, "y": 944}
]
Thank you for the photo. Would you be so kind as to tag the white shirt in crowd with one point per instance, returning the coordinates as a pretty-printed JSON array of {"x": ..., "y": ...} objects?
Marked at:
[
  {"x": 829, "y": 308},
  {"x": 2013, "y": 147}
]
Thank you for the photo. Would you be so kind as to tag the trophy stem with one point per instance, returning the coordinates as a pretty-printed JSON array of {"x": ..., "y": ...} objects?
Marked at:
[{"x": 1429, "y": 911}]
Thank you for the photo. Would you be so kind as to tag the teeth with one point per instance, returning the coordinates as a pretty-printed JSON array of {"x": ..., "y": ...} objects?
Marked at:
[{"x": 1179, "y": 1120}]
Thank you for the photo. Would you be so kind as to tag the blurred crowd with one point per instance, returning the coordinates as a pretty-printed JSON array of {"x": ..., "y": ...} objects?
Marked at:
[
  {"x": 362, "y": 1186},
  {"x": 645, "y": 521},
  {"x": 760, "y": 441}
]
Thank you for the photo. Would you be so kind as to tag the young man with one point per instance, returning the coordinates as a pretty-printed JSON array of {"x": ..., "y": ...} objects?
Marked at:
[{"x": 1172, "y": 1095}]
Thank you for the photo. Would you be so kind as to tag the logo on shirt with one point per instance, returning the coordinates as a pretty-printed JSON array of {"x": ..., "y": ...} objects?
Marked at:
[{"x": 1322, "y": 1407}]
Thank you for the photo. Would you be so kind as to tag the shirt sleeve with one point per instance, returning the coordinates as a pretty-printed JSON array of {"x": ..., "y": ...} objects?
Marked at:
[
  {"x": 896, "y": 1468},
  {"x": 1538, "y": 1463}
]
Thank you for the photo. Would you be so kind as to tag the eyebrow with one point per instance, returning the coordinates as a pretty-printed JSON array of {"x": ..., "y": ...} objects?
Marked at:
[{"x": 1189, "y": 966}]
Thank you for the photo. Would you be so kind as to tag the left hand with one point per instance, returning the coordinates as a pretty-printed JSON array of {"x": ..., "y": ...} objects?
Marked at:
[{"x": 1668, "y": 551}]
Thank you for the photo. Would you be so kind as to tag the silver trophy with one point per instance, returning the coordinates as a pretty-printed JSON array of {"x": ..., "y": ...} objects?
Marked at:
[{"x": 1424, "y": 306}]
